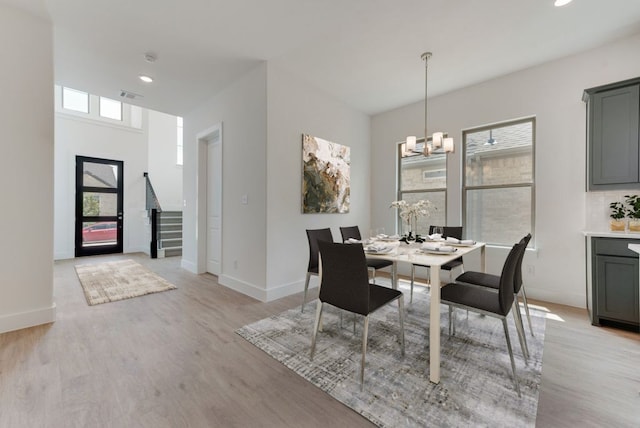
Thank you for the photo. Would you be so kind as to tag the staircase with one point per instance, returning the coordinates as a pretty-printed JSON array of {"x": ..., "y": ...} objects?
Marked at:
[{"x": 169, "y": 233}]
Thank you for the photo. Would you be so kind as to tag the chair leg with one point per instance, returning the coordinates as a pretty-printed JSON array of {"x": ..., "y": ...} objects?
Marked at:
[
  {"x": 401, "y": 313},
  {"x": 526, "y": 308},
  {"x": 365, "y": 331},
  {"x": 373, "y": 275},
  {"x": 513, "y": 362},
  {"x": 452, "y": 327},
  {"x": 413, "y": 276},
  {"x": 316, "y": 325},
  {"x": 306, "y": 287},
  {"x": 354, "y": 323},
  {"x": 517, "y": 318}
]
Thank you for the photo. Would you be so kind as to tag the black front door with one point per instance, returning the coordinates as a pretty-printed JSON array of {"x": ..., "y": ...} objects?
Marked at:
[{"x": 98, "y": 206}]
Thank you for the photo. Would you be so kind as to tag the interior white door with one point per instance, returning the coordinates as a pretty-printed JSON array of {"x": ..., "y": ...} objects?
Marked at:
[{"x": 214, "y": 203}]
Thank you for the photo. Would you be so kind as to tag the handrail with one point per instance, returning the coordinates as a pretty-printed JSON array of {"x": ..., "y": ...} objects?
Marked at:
[
  {"x": 152, "y": 201},
  {"x": 153, "y": 206}
]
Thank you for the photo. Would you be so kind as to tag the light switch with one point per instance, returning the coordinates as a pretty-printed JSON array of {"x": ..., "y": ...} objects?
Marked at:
[{"x": 245, "y": 199}]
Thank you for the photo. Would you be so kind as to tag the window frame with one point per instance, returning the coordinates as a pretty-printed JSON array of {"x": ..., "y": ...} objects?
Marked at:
[
  {"x": 466, "y": 188},
  {"x": 179, "y": 141},
  {"x": 400, "y": 192},
  {"x": 88, "y": 96},
  {"x": 100, "y": 98}
]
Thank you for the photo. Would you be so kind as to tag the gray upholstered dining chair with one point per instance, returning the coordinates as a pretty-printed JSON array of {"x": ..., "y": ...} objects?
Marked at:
[
  {"x": 448, "y": 231},
  {"x": 314, "y": 236},
  {"x": 345, "y": 285},
  {"x": 487, "y": 301},
  {"x": 493, "y": 281},
  {"x": 372, "y": 263}
]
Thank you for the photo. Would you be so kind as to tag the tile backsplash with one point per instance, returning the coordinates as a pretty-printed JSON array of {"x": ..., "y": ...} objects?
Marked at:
[{"x": 597, "y": 207}]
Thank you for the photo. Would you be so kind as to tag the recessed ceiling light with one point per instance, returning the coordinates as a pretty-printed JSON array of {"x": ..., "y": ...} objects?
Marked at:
[
  {"x": 559, "y": 3},
  {"x": 145, "y": 78}
]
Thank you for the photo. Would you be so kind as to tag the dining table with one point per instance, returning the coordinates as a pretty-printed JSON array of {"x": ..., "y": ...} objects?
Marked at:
[{"x": 413, "y": 254}]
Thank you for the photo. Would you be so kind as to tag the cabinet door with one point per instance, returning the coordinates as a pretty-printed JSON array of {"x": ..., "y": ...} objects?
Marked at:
[
  {"x": 617, "y": 288},
  {"x": 614, "y": 118}
]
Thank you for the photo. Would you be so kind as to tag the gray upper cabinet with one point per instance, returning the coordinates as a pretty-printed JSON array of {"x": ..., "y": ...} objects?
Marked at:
[{"x": 613, "y": 133}]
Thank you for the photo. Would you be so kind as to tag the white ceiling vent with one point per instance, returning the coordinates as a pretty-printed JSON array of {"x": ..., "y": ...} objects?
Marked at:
[{"x": 129, "y": 95}]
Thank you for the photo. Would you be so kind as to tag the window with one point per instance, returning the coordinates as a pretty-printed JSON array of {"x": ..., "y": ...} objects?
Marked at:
[
  {"x": 422, "y": 177},
  {"x": 110, "y": 109},
  {"x": 75, "y": 100},
  {"x": 179, "y": 140},
  {"x": 498, "y": 181}
]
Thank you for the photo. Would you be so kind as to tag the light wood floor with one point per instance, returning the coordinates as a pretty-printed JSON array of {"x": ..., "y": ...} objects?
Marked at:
[{"x": 172, "y": 359}]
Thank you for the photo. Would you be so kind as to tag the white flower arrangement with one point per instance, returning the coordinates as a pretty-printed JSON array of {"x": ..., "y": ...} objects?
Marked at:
[{"x": 411, "y": 212}]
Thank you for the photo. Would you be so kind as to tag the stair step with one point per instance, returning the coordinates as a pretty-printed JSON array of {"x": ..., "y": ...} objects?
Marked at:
[
  {"x": 170, "y": 227},
  {"x": 171, "y": 252},
  {"x": 170, "y": 234},
  {"x": 170, "y": 243}
]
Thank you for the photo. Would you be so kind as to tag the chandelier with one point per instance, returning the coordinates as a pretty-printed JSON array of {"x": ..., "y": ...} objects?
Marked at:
[{"x": 437, "y": 141}]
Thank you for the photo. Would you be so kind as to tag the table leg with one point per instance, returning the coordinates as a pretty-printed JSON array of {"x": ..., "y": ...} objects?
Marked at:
[{"x": 434, "y": 326}]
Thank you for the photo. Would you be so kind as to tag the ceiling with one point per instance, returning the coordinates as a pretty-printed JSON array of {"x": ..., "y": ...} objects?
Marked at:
[{"x": 363, "y": 52}]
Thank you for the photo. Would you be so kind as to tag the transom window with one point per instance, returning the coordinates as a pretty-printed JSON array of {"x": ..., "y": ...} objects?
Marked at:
[
  {"x": 111, "y": 109},
  {"x": 422, "y": 177},
  {"x": 179, "y": 127},
  {"x": 498, "y": 181},
  {"x": 75, "y": 100}
]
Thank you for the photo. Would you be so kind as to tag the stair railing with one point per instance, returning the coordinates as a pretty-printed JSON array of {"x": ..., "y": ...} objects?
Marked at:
[{"x": 153, "y": 207}]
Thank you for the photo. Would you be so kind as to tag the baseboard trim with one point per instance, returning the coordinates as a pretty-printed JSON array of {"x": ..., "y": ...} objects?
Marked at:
[
  {"x": 190, "y": 266},
  {"x": 285, "y": 290},
  {"x": 575, "y": 300},
  {"x": 243, "y": 287},
  {"x": 27, "y": 319}
]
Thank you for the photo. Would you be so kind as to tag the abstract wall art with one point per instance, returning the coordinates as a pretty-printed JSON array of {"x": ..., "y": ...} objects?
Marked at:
[{"x": 326, "y": 176}]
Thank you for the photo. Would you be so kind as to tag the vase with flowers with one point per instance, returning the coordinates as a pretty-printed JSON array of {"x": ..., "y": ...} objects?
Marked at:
[{"x": 410, "y": 212}]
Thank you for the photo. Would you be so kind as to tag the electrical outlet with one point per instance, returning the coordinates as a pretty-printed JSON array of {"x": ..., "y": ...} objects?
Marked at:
[
  {"x": 235, "y": 264},
  {"x": 531, "y": 270}
]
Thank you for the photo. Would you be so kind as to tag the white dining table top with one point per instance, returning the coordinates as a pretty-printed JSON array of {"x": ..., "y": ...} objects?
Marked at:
[{"x": 409, "y": 253}]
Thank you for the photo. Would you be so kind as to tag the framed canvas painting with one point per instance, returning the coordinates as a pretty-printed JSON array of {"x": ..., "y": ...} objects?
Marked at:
[{"x": 325, "y": 176}]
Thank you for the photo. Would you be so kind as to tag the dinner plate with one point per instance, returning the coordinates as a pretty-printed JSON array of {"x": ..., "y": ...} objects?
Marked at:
[
  {"x": 378, "y": 253},
  {"x": 388, "y": 239},
  {"x": 438, "y": 252},
  {"x": 460, "y": 244}
]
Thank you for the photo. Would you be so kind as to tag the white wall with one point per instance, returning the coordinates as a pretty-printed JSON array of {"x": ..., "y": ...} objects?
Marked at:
[
  {"x": 552, "y": 92},
  {"x": 164, "y": 172},
  {"x": 81, "y": 137},
  {"x": 264, "y": 114},
  {"x": 26, "y": 121},
  {"x": 294, "y": 108},
  {"x": 242, "y": 109}
]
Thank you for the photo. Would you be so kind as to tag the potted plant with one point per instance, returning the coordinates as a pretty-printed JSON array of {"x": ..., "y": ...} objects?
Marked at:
[
  {"x": 617, "y": 216},
  {"x": 633, "y": 212}
]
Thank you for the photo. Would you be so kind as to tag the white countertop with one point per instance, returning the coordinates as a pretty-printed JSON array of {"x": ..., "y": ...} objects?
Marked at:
[
  {"x": 609, "y": 234},
  {"x": 634, "y": 247}
]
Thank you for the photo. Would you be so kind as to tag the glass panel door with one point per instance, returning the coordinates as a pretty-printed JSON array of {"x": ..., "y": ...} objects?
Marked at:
[{"x": 99, "y": 202}]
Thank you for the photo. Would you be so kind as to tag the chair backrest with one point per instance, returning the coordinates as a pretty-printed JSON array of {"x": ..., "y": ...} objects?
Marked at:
[
  {"x": 452, "y": 231},
  {"x": 345, "y": 279},
  {"x": 505, "y": 292},
  {"x": 350, "y": 232},
  {"x": 314, "y": 236},
  {"x": 517, "y": 279}
]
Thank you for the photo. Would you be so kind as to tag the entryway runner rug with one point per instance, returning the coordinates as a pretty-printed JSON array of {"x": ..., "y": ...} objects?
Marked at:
[
  {"x": 476, "y": 387},
  {"x": 118, "y": 280}
]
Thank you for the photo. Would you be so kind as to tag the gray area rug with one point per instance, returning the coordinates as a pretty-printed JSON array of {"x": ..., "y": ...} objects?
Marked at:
[
  {"x": 476, "y": 387},
  {"x": 118, "y": 280}
]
